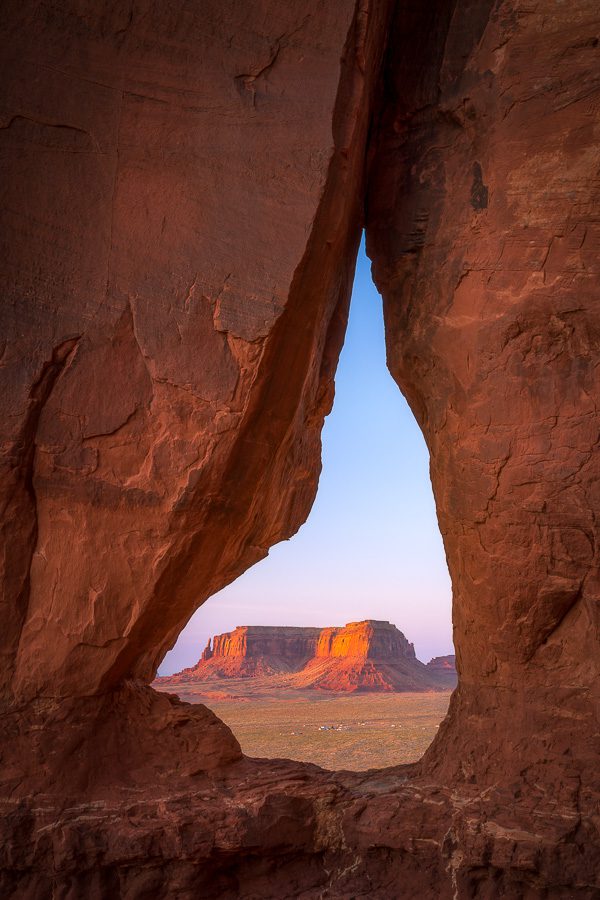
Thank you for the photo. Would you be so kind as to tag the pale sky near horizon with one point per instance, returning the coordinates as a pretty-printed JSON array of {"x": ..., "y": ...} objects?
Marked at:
[{"x": 371, "y": 547}]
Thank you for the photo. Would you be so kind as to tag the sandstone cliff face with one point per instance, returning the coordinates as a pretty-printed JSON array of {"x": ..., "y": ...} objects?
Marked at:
[
  {"x": 251, "y": 641},
  {"x": 370, "y": 639},
  {"x": 182, "y": 199},
  {"x": 366, "y": 656},
  {"x": 483, "y": 227},
  {"x": 369, "y": 655},
  {"x": 253, "y": 650},
  {"x": 204, "y": 169}
]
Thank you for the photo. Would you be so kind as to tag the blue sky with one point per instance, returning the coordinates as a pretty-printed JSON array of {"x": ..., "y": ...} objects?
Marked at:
[{"x": 371, "y": 547}]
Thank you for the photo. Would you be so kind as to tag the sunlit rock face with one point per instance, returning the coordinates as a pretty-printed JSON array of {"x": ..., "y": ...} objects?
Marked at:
[
  {"x": 366, "y": 656},
  {"x": 360, "y": 656},
  {"x": 183, "y": 193},
  {"x": 370, "y": 639}
]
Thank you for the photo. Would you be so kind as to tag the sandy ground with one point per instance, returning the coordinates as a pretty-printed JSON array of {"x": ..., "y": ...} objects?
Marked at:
[{"x": 355, "y": 731}]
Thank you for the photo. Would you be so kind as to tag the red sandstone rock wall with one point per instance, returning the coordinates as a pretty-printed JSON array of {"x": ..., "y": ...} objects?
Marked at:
[
  {"x": 252, "y": 650},
  {"x": 483, "y": 227},
  {"x": 251, "y": 641},
  {"x": 366, "y": 656},
  {"x": 182, "y": 206},
  {"x": 370, "y": 639}
]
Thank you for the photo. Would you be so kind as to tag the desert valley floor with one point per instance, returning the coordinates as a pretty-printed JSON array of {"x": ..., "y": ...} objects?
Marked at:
[{"x": 350, "y": 731}]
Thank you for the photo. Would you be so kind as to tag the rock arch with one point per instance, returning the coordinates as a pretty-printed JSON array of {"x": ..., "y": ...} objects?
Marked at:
[{"x": 186, "y": 191}]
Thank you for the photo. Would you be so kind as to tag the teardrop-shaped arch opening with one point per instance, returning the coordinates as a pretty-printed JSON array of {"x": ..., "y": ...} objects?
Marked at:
[{"x": 370, "y": 553}]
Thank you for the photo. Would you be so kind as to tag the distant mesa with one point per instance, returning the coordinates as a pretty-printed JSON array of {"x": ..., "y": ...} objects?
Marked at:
[
  {"x": 444, "y": 668},
  {"x": 361, "y": 656},
  {"x": 256, "y": 650}
]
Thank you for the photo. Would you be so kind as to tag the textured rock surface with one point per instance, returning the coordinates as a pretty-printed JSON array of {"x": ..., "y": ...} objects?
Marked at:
[
  {"x": 483, "y": 224},
  {"x": 442, "y": 663},
  {"x": 189, "y": 182},
  {"x": 253, "y": 650},
  {"x": 444, "y": 669},
  {"x": 366, "y": 656},
  {"x": 369, "y": 655},
  {"x": 370, "y": 639},
  {"x": 272, "y": 829},
  {"x": 182, "y": 199}
]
